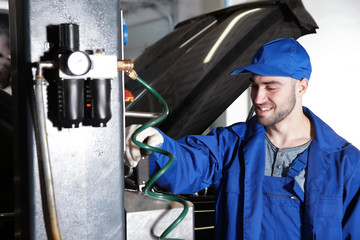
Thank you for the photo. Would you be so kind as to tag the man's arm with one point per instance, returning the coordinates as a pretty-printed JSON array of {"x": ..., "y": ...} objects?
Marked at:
[{"x": 198, "y": 160}]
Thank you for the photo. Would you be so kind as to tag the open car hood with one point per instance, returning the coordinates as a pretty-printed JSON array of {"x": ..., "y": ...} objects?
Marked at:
[{"x": 190, "y": 67}]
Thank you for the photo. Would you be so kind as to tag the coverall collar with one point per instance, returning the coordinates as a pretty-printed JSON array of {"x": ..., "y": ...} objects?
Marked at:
[{"x": 322, "y": 133}]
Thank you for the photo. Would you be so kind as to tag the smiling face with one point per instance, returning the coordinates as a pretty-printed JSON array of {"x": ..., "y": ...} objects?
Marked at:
[{"x": 273, "y": 98}]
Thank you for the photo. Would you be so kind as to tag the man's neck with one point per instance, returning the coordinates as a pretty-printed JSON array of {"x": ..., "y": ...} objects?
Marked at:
[{"x": 294, "y": 131}]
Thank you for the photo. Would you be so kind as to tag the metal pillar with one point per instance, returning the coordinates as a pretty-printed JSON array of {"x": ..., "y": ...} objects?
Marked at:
[{"x": 87, "y": 163}]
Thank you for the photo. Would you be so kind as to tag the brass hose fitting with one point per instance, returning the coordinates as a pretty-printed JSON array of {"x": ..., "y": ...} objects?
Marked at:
[
  {"x": 132, "y": 74},
  {"x": 128, "y": 67},
  {"x": 125, "y": 65}
]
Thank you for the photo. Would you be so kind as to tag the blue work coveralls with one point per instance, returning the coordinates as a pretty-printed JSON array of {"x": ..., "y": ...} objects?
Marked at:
[{"x": 233, "y": 159}]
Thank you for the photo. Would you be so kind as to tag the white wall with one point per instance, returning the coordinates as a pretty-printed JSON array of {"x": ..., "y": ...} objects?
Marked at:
[
  {"x": 192, "y": 8},
  {"x": 334, "y": 89}
]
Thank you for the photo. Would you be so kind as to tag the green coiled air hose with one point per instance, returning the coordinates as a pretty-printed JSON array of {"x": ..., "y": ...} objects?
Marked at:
[{"x": 158, "y": 174}]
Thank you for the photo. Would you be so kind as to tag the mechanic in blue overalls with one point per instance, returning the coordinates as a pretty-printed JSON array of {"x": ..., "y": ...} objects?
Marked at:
[{"x": 284, "y": 174}]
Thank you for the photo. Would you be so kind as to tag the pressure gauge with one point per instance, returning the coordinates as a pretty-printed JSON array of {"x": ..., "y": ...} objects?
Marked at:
[{"x": 78, "y": 63}]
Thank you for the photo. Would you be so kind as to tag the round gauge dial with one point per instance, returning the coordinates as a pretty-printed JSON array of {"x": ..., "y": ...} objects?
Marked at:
[{"x": 78, "y": 63}]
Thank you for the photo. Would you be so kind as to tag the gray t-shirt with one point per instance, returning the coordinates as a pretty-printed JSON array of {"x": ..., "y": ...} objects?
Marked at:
[{"x": 278, "y": 161}]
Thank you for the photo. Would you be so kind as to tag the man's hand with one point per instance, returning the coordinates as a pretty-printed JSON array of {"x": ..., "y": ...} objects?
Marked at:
[{"x": 132, "y": 151}]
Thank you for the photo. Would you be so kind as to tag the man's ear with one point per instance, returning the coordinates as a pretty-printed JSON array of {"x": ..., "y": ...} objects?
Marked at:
[{"x": 302, "y": 86}]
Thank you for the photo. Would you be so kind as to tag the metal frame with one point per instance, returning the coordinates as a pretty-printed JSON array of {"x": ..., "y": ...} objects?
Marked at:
[{"x": 87, "y": 162}]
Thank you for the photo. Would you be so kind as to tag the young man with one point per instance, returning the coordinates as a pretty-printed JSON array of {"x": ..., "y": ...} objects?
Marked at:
[{"x": 284, "y": 174}]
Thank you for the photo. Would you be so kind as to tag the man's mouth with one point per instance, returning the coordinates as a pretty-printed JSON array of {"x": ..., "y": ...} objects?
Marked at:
[{"x": 263, "y": 110}]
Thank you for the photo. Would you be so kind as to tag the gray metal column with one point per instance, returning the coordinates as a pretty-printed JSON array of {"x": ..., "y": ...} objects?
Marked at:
[{"x": 87, "y": 162}]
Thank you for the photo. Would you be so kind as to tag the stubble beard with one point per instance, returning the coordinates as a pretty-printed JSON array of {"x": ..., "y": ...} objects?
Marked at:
[{"x": 279, "y": 114}]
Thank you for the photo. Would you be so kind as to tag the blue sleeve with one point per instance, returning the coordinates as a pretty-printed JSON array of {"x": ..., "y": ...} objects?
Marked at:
[
  {"x": 198, "y": 160},
  {"x": 351, "y": 219}
]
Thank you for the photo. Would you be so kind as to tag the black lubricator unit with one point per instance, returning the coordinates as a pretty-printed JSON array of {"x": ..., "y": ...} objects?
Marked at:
[{"x": 80, "y": 82}]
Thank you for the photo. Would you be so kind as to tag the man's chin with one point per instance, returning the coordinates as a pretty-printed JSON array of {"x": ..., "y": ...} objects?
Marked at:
[{"x": 263, "y": 121}]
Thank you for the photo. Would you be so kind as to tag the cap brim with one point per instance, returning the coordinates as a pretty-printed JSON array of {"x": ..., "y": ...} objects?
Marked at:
[{"x": 260, "y": 69}]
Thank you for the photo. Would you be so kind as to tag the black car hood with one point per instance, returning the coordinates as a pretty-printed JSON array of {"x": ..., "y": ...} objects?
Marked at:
[{"x": 190, "y": 67}]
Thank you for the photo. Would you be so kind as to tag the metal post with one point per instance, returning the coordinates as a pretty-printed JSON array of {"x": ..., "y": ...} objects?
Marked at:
[{"x": 86, "y": 162}]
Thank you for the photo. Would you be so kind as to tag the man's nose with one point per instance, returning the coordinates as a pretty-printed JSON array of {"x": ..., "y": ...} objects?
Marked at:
[{"x": 258, "y": 96}]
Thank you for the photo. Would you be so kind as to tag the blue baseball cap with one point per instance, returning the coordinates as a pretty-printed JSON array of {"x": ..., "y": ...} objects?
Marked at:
[{"x": 283, "y": 57}]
